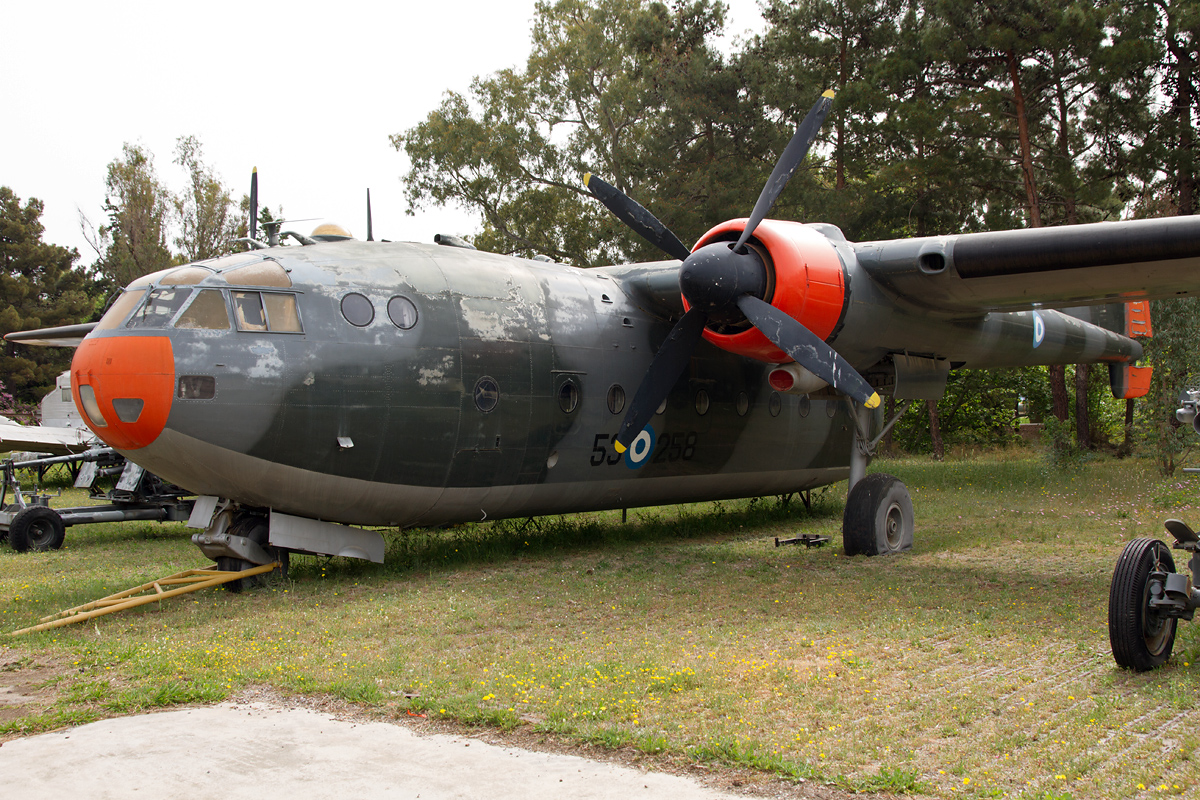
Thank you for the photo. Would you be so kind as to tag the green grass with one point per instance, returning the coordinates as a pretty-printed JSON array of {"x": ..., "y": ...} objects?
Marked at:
[{"x": 977, "y": 665}]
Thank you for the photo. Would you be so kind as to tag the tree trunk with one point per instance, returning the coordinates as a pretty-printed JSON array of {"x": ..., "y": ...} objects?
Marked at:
[
  {"x": 1058, "y": 392},
  {"x": 935, "y": 433},
  {"x": 1035, "y": 212},
  {"x": 1083, "y": 430},
  {"x": 1185, "y": 98},
  {"x": 1127, "y": 443}
]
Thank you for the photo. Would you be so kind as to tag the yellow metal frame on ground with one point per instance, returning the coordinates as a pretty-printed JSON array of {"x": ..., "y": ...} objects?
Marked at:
[{"x": 190, "y": 580}]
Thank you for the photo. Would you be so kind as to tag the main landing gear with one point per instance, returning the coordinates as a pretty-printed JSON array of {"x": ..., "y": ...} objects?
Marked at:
[
  {"x": 878, "y": 519},
  {"x": 1147, "y": 598}
]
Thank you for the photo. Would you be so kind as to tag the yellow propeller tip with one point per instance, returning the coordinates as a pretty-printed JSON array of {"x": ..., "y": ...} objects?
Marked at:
[
  {"x": 830, "y": 93},
  {"x": 873, "y": 401},
  {"x": 620, "y": 448},
  {"x": 587, "y": 176}
]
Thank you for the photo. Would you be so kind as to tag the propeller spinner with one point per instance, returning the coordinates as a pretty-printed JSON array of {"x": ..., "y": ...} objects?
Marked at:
[{"x": 726, "y": 282}]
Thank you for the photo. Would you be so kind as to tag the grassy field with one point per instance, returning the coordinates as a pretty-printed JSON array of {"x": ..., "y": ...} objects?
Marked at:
[{"x": 975, "y": 666}]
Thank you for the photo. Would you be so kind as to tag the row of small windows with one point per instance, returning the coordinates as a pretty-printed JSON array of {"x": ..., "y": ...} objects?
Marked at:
[
  {"x": 487, "y": 397},
  {"x": 360, "y": 311}
]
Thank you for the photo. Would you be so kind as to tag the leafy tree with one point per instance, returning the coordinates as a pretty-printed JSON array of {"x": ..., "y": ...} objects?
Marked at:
[
  {"x": 134, "y": 242},
  {"x": 40, "y": 287},
  {"x": 630, "y": 90},
  {"x": 204, "y": 209}
]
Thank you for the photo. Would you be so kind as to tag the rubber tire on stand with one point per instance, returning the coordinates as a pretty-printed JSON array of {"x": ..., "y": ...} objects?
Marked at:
[
  {"x": 1141, "y": 639},
  {"x": 37, "y": 528},
  {"x": 879, "y": 517}
]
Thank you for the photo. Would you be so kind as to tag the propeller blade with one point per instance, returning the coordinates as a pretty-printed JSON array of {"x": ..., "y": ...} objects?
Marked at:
[
  {"x": 636, "y": 217},
  {"x": 665, "y": 369},
  {"x": 370, "y": 237},
  {"x": 808, "y": 350},
  {"x": 791, "y": 158},
  {"x": 254, "y": 203}
]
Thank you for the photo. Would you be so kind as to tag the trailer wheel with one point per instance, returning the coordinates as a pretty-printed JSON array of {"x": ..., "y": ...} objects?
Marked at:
[
  {"x": 37, "y": 528},
  {"x": 1141, "y": 636},
  {"x": 879, "y": 517}
]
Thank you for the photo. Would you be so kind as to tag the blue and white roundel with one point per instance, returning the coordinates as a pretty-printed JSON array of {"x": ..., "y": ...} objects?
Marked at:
[
  {"x": 1039, "y": 329},
  {"x": 640, "y": 449}
]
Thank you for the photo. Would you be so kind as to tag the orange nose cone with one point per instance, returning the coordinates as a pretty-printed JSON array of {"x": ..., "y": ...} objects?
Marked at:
[{"x": 123, "y": 386}]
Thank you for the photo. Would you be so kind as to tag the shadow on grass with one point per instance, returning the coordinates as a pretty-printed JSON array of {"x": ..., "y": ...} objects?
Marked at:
[{"x": 508, "y": 540}]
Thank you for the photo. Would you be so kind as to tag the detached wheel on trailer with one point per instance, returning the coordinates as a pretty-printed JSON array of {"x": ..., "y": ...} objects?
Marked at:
[
  {"x": 38, "y": 528},
  {"x": 878, "y": 519},
  {"x": 1141, "y": 636}
]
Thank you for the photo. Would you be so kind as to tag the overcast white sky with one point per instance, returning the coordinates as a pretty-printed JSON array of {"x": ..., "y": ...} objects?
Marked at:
[{"x": 307, "y": 92}]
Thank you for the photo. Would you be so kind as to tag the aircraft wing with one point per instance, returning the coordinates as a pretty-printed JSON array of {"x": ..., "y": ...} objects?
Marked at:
[
  {"x": 62, "y": 336},
  {"x": 38, "y": 439},
  {"x": 1055, "y": 267}
]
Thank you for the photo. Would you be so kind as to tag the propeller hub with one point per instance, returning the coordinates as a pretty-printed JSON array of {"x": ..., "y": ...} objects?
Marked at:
[{"x": 716, "y": 275}]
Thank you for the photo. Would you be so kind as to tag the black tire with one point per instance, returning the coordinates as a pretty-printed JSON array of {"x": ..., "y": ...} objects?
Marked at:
[
  {"x": 37, "y": 528},
  {"x": 1141, "y": 638},
  {"x": 878, "y": 519},
  {"x": 255, "y": 528}
]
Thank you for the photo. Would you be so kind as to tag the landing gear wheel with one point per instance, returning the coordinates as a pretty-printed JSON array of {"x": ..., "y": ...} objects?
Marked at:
[
  {"x": 255, "y": 528},
  {"x": 1141, "y": 637},
  {"x": 879, "y": 517},
  {"x": 37, "y": 528}
]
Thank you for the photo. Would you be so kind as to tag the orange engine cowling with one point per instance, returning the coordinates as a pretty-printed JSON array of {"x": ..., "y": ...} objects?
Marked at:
[{"x": 805, "y": 282}]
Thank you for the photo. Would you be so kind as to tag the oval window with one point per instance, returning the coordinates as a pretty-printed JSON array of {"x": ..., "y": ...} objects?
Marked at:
[
  {"x": 831, "y": 406},
  {"x": 661, "y": 407},
  {"x": 357, "y": 310},
  {"x": 743, "y": 404},
  {"x": 702, "y": 402},
  {"x": 487, "y": 393},
  {"x": 805, "y": 405},
  {"x": 776, "y": 404},
  {"x": 616, "y": 398},
  {"x": 568, "y": 396},
  {"x": 402, "y": 312}
]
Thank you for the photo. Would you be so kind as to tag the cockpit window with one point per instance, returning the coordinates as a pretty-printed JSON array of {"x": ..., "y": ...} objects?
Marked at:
[
  {"x": 146, "y": 280},
  {"x": 281, "y": 312},
  {"x": 248, "y": 309},
  {"x": 264, "y": 273},
  {"x": 185, "y": 276},
  {"x": 120, "y": 309},
  {"x": 207, "y": 312},
  {"x": 159, "y": 307},
  {"x": 266, "y": 311},
  {"x": 233, "y": 261}
]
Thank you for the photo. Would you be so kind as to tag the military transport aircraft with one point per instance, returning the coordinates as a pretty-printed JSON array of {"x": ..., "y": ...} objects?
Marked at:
[{"x": 305, "y": 391}]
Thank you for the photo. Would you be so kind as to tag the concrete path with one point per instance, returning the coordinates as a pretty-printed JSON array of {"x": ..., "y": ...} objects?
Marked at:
[{"x": 264, "y": 752}]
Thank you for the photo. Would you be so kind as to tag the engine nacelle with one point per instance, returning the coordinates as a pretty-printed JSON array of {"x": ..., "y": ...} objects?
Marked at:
[{"x": 806, "y": 282}]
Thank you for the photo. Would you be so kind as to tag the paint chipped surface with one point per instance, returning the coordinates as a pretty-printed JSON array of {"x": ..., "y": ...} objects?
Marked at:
[
  {"x": 493, "y": 320},
  {"x": 435, "y": 376}
]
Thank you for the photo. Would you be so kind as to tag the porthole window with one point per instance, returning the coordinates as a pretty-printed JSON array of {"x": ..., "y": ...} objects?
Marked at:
[
  {"x": 616, "y": 399},
  {"x": 743, "y": 404},
  {"x": 702, "y": 402},
  {"x": 776, "y": 404},
  {"x": 358, "y": 310},
  {"x": 805, "y": 405},
  {"x": 487, "y": 393},
  {"x": 661, "y": 407},
  {"x": 831, "y": 408},
  {"x": 402, "y": 312},
  {"x": 568, "y": 396}
]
